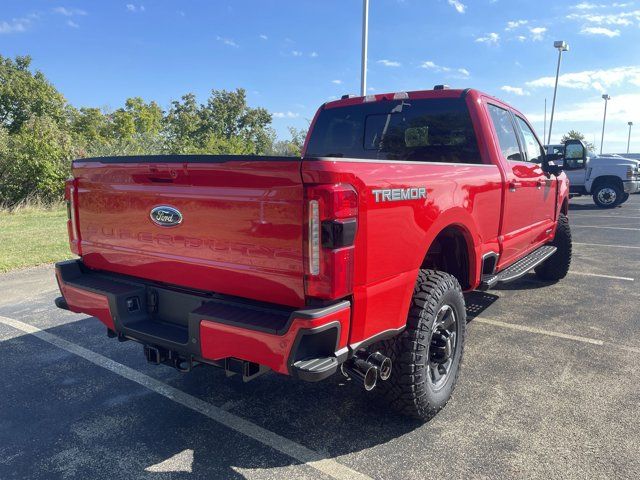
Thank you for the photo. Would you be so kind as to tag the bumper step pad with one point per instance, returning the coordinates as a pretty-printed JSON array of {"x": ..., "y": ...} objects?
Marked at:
[
  {"x": 518, "y": 269},
  {"x": 315, "y": 369}
]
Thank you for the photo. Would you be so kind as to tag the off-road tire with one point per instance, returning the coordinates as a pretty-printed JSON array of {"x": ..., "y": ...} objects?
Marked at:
[
  {"x": 557, "y": 265},
  {"x": 615, "y": 189},
  {"x": 410, "y": 390}
]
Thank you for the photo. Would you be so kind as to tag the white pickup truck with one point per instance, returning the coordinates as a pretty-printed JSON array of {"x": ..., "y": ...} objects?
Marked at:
[{"x": 609, "y": 179}]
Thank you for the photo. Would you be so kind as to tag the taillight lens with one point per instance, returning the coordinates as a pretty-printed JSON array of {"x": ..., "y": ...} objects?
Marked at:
[
  {"x": 332, "y": 219},
  {"x": 70, "y": 196}
]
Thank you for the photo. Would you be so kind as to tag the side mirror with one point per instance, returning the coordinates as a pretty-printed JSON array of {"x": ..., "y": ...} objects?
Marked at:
[
  {"x": 575, "y": 155},
  {"x": 553, "y": 163}
]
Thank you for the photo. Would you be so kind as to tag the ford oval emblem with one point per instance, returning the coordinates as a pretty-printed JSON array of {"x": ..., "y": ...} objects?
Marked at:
[{"x": 166, "y": 216}]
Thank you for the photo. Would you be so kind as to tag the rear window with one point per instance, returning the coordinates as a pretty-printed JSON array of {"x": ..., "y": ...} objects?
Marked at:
[{"x": 427, "y": 130}]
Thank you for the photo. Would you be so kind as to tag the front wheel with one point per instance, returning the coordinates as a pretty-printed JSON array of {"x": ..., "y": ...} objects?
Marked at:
[
  {"x": 557, "y": 265},
  {"x": 607, "y": 195},
  {"x": 625, "y": 197},
  {"x": 426, "y": 356}
]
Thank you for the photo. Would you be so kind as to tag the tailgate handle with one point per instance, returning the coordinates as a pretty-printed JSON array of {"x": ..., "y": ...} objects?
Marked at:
[{"x": 162, "y": 174}]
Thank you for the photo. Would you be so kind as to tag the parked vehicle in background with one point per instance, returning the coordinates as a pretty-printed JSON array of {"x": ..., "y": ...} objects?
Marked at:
[
  {"x": 609, "y": 179},
  {"x": 353, "y": 257}
]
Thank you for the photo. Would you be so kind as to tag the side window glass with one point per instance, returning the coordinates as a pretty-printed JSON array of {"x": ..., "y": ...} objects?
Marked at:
[
  {"x": 507, "y": 138},
  {"x": 532, "y": 147}
]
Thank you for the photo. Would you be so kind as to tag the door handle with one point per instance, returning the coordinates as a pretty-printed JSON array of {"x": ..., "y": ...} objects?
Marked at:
[{"x": 513, "y": 185}]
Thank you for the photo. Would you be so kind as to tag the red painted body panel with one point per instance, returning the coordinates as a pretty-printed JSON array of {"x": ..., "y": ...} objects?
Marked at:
[
  {"x": 220, "y": 341},
  {"x": 82, "y": 301},
  {"x": 241, "y": 234},
  {"x": 245, "y": 229}
]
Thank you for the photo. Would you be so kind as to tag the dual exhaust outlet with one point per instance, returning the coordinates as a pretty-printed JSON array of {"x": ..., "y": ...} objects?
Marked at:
[{"x": 366, "y": 367}]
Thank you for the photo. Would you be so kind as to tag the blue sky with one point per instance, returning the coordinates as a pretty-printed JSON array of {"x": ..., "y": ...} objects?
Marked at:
[{"x": 293, "y": 55}]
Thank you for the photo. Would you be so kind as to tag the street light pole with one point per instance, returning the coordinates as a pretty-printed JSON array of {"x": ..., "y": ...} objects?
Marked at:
[
  {"x": 629, "y": 138},
  {"x": 606, "y": 99},
  {"x": 365, "y": 41},
  {"x": 562, "y": 46}
]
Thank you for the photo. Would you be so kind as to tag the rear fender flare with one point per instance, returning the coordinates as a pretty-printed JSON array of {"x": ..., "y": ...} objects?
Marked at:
[{"x": 461, "y": 220}]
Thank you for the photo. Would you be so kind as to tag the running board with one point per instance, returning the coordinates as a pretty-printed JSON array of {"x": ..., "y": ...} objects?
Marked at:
[{"x": 518, "y": 269}]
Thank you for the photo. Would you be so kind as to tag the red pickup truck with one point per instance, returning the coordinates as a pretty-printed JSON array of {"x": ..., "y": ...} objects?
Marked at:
[{"x": 353, "y": 257}]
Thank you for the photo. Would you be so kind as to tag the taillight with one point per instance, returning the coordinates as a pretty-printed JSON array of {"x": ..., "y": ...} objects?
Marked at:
[
  {"x": 332, "y": 220},
  {"x": 70, "y": 196}
]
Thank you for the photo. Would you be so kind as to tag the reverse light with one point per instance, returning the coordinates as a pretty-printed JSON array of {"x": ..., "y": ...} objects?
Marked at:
[
  {"x": 314, "y": 238},
  {"x": 71, "y": 196},
  {"x": 332, "y": 225}
]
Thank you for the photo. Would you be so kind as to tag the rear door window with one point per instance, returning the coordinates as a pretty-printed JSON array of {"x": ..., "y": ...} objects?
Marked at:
[
  {"x": 507, "y": 137},
  {"x": 426, "y": 130}
]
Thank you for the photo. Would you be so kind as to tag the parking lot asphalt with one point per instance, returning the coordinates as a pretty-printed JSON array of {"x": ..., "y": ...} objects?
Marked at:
[{"x": 550, "y": 388}]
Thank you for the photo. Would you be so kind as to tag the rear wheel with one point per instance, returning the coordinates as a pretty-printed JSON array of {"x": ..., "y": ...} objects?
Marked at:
[
  {"x": 426, "y": 356},
  {"x": 557, "y": 265},
  {"x": 607, "y": 195}
]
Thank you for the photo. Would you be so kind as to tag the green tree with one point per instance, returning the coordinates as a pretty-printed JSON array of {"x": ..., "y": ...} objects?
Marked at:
[
  {"x": 184, "y": 125},
  {"x": 293, "y": 146},
  {"x": 576, "y": 135},
  {"x": 35, "y": 161},
  {"x": 25, "y": 94}
]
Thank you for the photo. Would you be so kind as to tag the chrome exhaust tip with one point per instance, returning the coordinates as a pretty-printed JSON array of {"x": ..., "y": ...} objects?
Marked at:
[
  {"x": 361, "y": 371},
  {"x": 381, "y": 362}
]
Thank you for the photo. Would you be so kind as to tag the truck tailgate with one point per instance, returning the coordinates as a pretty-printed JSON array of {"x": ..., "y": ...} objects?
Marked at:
[{"x": 240, "y": 228}]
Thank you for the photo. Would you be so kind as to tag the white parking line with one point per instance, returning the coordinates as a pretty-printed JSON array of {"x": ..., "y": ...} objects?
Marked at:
[
  {"x": 588, "y": 215},
  {"x": 573, "y": 225},
  {"x": 288, "y": 447},
  {"x": 550, "y": 333},
  {"x": 628, "y": 279},
  {"x": 605, "y": 245}
]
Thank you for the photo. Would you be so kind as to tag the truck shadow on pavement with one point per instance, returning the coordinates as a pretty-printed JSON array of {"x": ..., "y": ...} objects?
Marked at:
[{"x": 88, "y": 422}]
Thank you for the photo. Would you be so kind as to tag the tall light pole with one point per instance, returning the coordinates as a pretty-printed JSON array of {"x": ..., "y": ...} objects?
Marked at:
[
  {"x": 629, "y": 138},
  {"x": 562, "y": 46},
  {"x": 365, "y": 41},
  {"x": 606, "y": 99}
]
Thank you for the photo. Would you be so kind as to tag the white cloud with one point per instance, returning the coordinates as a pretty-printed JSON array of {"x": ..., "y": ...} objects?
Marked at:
[
  {"x": 515, "y": 90},
  {"x": 135, "y": 8},
  {"x": 313, "y": 54},
  {"x": 599, "y": 80},
  {"x": 16, "y": 25},
  {"x": 452, "y": 72},
  {"x": 515, "y": 24},
  {"x": 227, "y": 41},
  {"x": 459, "y": 6},
  {"x": 337, "y": 82},
  {"x": 72, "y": 24},
  {"x": 490, "y": 39},
  {"x": 537, "y": 33},
  {"x": 264, "y": 37},
  {"x": 600, "y": 31},
  {"x": 522, "y": 38},
  {"x": 620, "y": 108},
  {"x": 623, "y": 19},
  {"x": 287, "y": 114},
  {"x": 296, "y": 53},
  {"x": 585, "y": 6},
  {"x": 69, "y": 12},
  {"x": 389, "y": 63}
]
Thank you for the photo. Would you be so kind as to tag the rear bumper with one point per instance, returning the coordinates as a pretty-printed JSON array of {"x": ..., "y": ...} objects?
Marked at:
[{"x": 204, "y": 327}]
